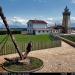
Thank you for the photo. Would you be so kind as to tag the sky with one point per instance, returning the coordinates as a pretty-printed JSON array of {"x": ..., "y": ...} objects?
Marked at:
[{"x": 49, "y": 10}]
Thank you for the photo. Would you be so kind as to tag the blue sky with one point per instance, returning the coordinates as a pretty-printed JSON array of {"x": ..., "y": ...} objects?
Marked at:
[{"x": 49, "y": 10}]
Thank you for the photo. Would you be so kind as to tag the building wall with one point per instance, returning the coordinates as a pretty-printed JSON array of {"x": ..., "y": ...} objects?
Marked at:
[
  {"x": 55, "y": 30},
  {"x": 31, "y": 26},
  {"x": 38, "y": 26},
  {"x": 23, "y": 32},
  {"x": 41, "y": 32},
  {"x": 66, "y": 21},
  {"x": 30, "y": 31}
]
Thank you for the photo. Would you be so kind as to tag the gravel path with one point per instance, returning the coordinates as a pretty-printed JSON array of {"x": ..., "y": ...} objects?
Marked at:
[{"x": 59, "y": 59}]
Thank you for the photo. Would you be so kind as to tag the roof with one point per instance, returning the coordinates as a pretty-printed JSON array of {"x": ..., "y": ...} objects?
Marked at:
[
  {"x": 58, "y": 27},
  {"x": 37, "y": 21}
]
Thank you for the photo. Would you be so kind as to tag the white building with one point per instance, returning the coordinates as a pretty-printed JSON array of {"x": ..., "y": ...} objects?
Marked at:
[
  {"x": 37, "y": 27},
  {"x": 55, "y": 29}
]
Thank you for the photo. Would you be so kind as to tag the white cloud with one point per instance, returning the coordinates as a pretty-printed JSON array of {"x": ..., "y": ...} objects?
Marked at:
[
  {"x": 49, "y": 20},
  {"x": 8, "y": 21},
  {"x": 73, "y": 1},
  {"x": 23, "y": 21},
  {"x": 72, "y": 19},
  {"x": 16, "y": 21},
  {"x": 1, "y": 21},
  {"x": 19, "y": 20}
]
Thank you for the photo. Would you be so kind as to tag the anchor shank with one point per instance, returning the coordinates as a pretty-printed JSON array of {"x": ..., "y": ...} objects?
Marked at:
[{"x": 9, "y": 32}]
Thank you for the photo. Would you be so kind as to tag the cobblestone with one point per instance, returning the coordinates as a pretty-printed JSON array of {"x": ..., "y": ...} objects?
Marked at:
[{"x": 59, "y": 59}]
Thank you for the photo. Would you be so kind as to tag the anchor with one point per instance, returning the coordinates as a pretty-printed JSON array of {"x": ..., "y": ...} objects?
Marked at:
[{"x": 11, "y": 36}]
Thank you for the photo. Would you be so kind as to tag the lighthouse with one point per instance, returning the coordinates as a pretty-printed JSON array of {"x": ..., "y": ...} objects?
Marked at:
[{"x": 66, "y": 21}]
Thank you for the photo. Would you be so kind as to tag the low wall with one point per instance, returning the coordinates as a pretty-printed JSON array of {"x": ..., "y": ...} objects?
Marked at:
[{"x": 67, "y": 41}]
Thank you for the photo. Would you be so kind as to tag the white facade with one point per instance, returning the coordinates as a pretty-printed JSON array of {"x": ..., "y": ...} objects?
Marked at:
[
  {"x": 41, "y": 32},
  {"x": 37, "y": 28},
  {"x": 55, "y": 30}
]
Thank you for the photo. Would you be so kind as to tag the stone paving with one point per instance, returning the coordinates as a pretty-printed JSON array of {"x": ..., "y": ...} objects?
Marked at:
[{"x": 59, "y": 59}]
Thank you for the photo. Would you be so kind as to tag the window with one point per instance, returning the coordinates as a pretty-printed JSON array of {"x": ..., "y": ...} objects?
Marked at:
[
  {"x": 28, "y": 25},
  {"x": 43, "y": 31},
  {"x": 47, "y": 31},
  {"x": 28, "y": 30},
  {"x": 39, "y": 31}
]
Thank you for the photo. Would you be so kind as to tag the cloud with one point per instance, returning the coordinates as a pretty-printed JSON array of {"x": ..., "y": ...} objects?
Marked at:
[
  {"x": 19, "y": 20},
  {"x": 73, "y": 1},
  {"x": 8, "y": 21},
  {"x": 16, "y": 21},
  {"x": 23, "y": 21},
  {"x": 49, "y": 20},
  {"x": 72, "y": 19},
  {"x": 1, "y": 21}
]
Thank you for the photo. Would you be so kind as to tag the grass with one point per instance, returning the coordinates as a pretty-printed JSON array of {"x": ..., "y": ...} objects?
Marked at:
[
  {"x": 35, "y": 63},
  {"x": 34, "y": 38},
  {"x": 26, "y": 38},
  {"x": 38, "y": 41},
  {"x": 70, "y": 37}
]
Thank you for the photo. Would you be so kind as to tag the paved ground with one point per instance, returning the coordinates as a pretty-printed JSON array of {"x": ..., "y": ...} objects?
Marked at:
[{"x": 59, "y": 59}]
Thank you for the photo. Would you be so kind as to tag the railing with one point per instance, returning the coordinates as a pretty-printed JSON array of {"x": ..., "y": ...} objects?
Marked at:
[
  {"x": 9, "y": 47},
  {"x": 67, "y": 41}
]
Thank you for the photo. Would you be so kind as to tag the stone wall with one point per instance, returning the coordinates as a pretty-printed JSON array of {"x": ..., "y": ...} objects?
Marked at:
[{"x": 67, "y": 41}]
